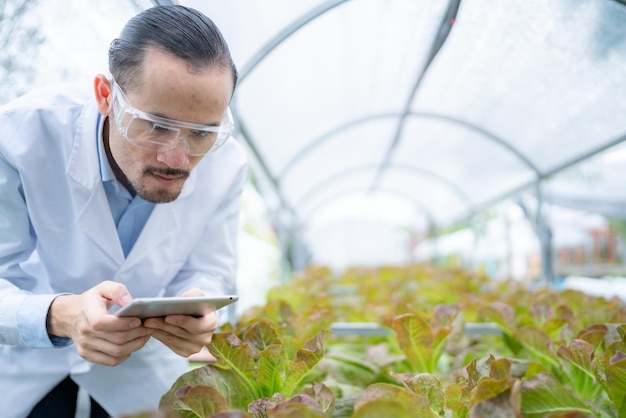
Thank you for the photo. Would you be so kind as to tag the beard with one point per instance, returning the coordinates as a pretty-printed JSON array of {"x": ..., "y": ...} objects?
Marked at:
[
  {"x": 161, "y": 194},
  {"x": 158, "y": 196}
]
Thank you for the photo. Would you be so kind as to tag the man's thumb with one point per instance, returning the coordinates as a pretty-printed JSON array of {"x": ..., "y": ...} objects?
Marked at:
[{"x": 115, "y": 292}]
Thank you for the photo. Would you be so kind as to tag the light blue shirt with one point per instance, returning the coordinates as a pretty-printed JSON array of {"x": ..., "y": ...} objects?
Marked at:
[{"x": 130, "y": 214}]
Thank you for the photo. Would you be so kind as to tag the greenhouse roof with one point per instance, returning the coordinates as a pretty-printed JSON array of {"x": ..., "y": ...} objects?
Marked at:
[{"x": 449, "y": 105}]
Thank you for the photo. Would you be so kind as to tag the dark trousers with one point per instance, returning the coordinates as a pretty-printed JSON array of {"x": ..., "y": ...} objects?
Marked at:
[{"x": 61, "y": 402}]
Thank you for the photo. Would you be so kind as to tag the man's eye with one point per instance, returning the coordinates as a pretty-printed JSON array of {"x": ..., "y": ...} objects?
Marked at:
[
  {"x": 200, "y": 134},
  {"x": 160, "y": 129}
]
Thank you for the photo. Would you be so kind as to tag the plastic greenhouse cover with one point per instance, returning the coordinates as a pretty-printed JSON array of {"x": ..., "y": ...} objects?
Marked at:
[{"x": 448, "y": 105}]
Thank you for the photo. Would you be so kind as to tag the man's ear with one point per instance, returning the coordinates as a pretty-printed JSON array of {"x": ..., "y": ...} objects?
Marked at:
[{"x": 102, "y": 91}]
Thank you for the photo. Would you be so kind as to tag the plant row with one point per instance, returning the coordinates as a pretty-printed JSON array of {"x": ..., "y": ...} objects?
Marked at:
[{"x": 559, "y": 353}]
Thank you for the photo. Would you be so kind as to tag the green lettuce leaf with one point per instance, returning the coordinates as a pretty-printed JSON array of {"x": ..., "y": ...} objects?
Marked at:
[
  {"x": 386, "y": 400},
  {"x": 543, "y": 394},
  {"x": 422, "y": 345},
  {"x": 306, "y": 359},
  {"x": 614, "y": 364}
]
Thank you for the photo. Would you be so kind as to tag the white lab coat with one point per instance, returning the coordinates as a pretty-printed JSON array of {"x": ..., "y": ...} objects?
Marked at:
[{"x": 57, "y": 235}]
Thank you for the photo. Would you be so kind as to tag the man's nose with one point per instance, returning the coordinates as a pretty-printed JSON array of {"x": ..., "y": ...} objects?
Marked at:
[{"x": 175, "y": 157}]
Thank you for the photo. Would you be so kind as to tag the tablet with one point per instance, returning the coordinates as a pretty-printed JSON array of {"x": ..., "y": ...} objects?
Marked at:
[{"x": 157, "y": 307}]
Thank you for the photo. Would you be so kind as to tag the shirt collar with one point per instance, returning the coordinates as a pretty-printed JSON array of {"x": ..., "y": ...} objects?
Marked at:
[{"x": 106, "y": 172}]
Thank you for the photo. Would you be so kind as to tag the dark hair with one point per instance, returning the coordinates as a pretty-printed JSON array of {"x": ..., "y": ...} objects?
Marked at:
[{"x": 182, "y": 31}]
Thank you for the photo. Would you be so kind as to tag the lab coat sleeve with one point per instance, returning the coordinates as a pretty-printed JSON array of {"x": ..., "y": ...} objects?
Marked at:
[
  {"x": 212, "y": 264},
  {"x": 22, "y": 314}
]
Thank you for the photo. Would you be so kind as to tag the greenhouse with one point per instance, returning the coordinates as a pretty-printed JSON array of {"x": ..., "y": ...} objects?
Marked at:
[
  {"x": 433, "y": 222},
  {"x": 467, "y": 104}
]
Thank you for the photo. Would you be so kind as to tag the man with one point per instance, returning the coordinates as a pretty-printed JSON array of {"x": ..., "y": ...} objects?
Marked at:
[{"x": 124, "y": 195}]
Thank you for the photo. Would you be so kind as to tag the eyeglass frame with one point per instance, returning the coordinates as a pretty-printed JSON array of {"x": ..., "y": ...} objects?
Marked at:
[{"x": 224, "y": 130}]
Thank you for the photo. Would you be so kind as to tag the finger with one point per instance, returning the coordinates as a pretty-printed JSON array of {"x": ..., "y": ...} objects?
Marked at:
[
  {"x": 124, "y": 337},
  {"x": 113, "y": 323},
  {"x": 94, "y": 340},
  {"x": 162, "y": 325},
  {"x": 193, "y": 292},
  {"x": 102, "y": 358},
  {"x": 198, "y": 330},
  {"x": 101, "y": 351},
  {"x": 204, "y": 324},
  {"x": 180, "y": 346},
  {"x": 98, "y": 300},
  {"x": 179, "y": 339},
  {"x": 111, "y": 349},
  {"x": 115, "y": 292}
]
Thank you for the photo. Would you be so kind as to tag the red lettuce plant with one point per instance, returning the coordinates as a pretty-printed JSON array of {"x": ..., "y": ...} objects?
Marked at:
[{"x": 254, "y": 375}]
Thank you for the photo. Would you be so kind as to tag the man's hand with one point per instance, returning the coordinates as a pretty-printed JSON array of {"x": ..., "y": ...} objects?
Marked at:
[
  {"x": 98, "y": 336},
  {"x": 184, "y": 334}
]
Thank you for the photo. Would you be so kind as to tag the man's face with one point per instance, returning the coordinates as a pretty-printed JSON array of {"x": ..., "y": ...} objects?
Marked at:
[{"x": 168, "y": 89}]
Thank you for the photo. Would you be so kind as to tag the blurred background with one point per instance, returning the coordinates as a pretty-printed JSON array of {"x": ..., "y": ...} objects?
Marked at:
[{"x": 482, "y": 134}]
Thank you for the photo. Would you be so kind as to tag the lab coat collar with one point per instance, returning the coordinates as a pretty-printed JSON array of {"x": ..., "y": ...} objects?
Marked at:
[{"x": 89, "y": 201}]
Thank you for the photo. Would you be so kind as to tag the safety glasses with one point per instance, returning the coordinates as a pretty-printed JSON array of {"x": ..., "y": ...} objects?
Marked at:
[{"x": 161, "y": 134}]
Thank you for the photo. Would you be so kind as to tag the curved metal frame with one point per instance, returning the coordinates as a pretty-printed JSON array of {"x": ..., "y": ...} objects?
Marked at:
[
  {"x": 442, "y": 35},
  {"x": 459, "y": 122},
  {"x": 355, "y": 190},
  {"x": 320, "y": 186},
  {"x": 286, "y": 33},
  {"x": 247, "y": 69}
]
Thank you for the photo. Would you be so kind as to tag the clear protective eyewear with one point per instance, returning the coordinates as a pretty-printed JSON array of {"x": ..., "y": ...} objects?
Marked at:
[{"x": 162, "y": 134}]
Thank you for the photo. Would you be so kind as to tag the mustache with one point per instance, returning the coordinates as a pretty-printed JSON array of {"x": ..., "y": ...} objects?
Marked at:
[{"x": 170, "y": 172}]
